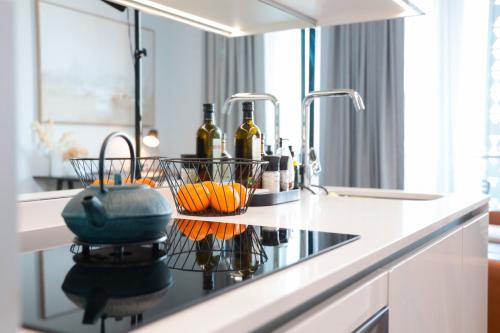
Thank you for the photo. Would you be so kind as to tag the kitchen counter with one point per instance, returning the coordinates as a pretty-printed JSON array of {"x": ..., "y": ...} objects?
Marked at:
[{"x": 386, "y": 227}]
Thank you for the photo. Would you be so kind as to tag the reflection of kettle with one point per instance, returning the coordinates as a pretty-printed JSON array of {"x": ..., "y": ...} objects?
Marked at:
[
  {"x": 119, "y": 213},
  {"x": 116, "y": 291}
]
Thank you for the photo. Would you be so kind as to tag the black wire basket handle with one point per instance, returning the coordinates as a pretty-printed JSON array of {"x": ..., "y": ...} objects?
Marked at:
[{"x": 103, "y": 153}]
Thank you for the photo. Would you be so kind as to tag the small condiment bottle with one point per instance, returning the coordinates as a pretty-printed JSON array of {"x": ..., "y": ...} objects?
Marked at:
[
  {"x": 284, "y": 174},
  {"x": 271, "y": 177},
  {"x": 188, "y": 172}
]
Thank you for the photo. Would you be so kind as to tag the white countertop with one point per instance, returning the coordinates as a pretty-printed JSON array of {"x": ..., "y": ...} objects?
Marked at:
[{"x": 385, "y": 226}]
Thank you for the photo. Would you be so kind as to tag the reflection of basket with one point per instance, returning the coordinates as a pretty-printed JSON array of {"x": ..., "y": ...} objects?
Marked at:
[
  {"x": 214, "y": 247},
  {"x": 148, "y": 170},
  {"x": 220, "y": 193}
]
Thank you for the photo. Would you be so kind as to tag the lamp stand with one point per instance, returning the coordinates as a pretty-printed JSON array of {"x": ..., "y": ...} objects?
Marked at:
[{"x": 138, "y": 54}]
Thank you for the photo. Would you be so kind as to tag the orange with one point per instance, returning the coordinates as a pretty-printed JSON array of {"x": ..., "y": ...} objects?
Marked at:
[
  {"x": 224, "y": 199},
  {"x": 106, "y": 181},
  {"x": 193, "y": 197},
  {"x": 242, "y": 192},
  {"x": 211, "y": 186},
  {"x": 195, "y": 230},
  {"x": 146, "y": 181},
  {"x": 225, "y": 231}
]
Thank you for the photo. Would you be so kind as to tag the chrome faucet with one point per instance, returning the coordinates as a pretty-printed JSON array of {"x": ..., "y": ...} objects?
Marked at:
[
  {"x": 254, "y": 97},
  {"x": 309, "y": 154}
]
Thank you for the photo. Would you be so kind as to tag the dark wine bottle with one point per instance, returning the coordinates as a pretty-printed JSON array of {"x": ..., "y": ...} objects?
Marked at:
[
  {"x": 248, "y": 144},
  {"x": 208, "y": 143}
]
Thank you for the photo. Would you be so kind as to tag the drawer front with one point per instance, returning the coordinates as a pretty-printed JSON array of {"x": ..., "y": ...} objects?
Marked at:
[{"x": 345, "y": 311}]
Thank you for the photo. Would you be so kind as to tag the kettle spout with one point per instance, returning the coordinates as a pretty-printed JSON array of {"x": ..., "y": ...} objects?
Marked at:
[{"x": 94, "y": 211}]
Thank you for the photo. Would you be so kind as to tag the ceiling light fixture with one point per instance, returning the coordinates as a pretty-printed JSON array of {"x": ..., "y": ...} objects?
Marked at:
[{"x": 155, "y": 8}]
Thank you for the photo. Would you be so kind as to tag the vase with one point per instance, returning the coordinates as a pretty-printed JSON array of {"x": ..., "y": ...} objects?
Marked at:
[{"x": 55, "y": 164}]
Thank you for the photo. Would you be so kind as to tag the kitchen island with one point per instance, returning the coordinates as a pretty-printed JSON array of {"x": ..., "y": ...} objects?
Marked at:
[{"x": 424, "y": 260}]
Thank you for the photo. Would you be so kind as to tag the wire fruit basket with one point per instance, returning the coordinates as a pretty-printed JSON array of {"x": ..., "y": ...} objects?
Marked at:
[
  {"x": 214, "y": 247},
  {"x": 212, "y": 187},
  {"x": 148, "y": 171}
]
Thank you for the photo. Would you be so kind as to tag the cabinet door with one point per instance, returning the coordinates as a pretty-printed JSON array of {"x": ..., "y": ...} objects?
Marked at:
[
  {"x": 345, "y": 311},
  {"x": 425, "y": 288},
  {"x": 475, "y": 275}
]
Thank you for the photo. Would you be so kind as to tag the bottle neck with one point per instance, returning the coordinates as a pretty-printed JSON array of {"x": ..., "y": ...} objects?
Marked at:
[
  {"x": 247, "y": 115},
  {"x": 208, "y": 117}
]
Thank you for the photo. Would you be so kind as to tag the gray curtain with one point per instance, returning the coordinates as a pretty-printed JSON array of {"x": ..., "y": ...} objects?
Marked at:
[
  {"x": 234, "y": 65},
  {"x": 363, "y": 149}
]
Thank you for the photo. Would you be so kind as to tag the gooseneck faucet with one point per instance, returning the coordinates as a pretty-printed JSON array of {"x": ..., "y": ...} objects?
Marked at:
[
  {"x": 245, "y": 97},
  {"x": 306, "y": 153}
]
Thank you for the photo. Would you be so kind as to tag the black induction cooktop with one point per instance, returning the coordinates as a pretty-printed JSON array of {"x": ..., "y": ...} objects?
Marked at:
[{"x": 89, "y": 288}]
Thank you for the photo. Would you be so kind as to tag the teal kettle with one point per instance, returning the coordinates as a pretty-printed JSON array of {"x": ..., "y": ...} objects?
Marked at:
[{"x": 114, "y": 214}]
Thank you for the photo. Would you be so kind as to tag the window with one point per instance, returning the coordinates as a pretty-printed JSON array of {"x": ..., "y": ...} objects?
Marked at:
[
  {"x": 282, "y": 79},
  {"x": 445, "y": 96},
  {"x": 492, "y": 158}
]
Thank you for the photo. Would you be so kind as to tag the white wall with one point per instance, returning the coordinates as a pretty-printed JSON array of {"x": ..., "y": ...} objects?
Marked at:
[
  {"x": 178, "y": 95},
  {"x": 9, "y": 300}
]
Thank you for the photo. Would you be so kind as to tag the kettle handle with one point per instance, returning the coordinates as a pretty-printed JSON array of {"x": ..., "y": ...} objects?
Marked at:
[{"x": 103, "y": 153}]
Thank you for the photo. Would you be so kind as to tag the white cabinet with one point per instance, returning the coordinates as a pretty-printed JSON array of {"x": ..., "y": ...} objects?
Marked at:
[
  {"x": 443, "y": 286},
  {"x": 438, "y": 288},
  {"x": 425, "y": 289},
  {"x": 234, "y": 18},
  {"x": 345, "y": 311},
  {"x": 475, "y": 275}
]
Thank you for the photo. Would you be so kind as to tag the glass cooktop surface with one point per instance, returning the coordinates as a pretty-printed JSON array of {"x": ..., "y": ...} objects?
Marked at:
[{"x": 89, "y": 288}]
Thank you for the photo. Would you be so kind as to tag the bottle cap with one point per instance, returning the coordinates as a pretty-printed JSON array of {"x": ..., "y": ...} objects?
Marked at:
[
  {"x": 274, "y": 162},
  {"x": 209, "y": 107},
  {"x": 284, "y": 162},
  {"x": 248, "y": 106}
]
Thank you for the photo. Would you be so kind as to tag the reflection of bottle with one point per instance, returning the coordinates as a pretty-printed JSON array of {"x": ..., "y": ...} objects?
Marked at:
[
  {"x": 208, "y": 140},
  {"x": 270, "y": 236},
  {"x": 208, "y": 281},
  {"x": 207, "y": 260},
  {"x": 283, "y": 235},
  {"x": 243, "y": 255}
]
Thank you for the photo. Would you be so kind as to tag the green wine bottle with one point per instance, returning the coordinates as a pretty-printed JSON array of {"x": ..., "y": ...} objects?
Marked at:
[
  {"x": 208, "y": 260},
  {"x": 208, "y": 143},
  {"x": 244, "y": 260},
  {"x": 248, "y": 144}
]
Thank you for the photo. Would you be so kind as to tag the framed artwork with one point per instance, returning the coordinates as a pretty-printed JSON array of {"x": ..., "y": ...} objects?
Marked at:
[{"x": 86, "y": 68}]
